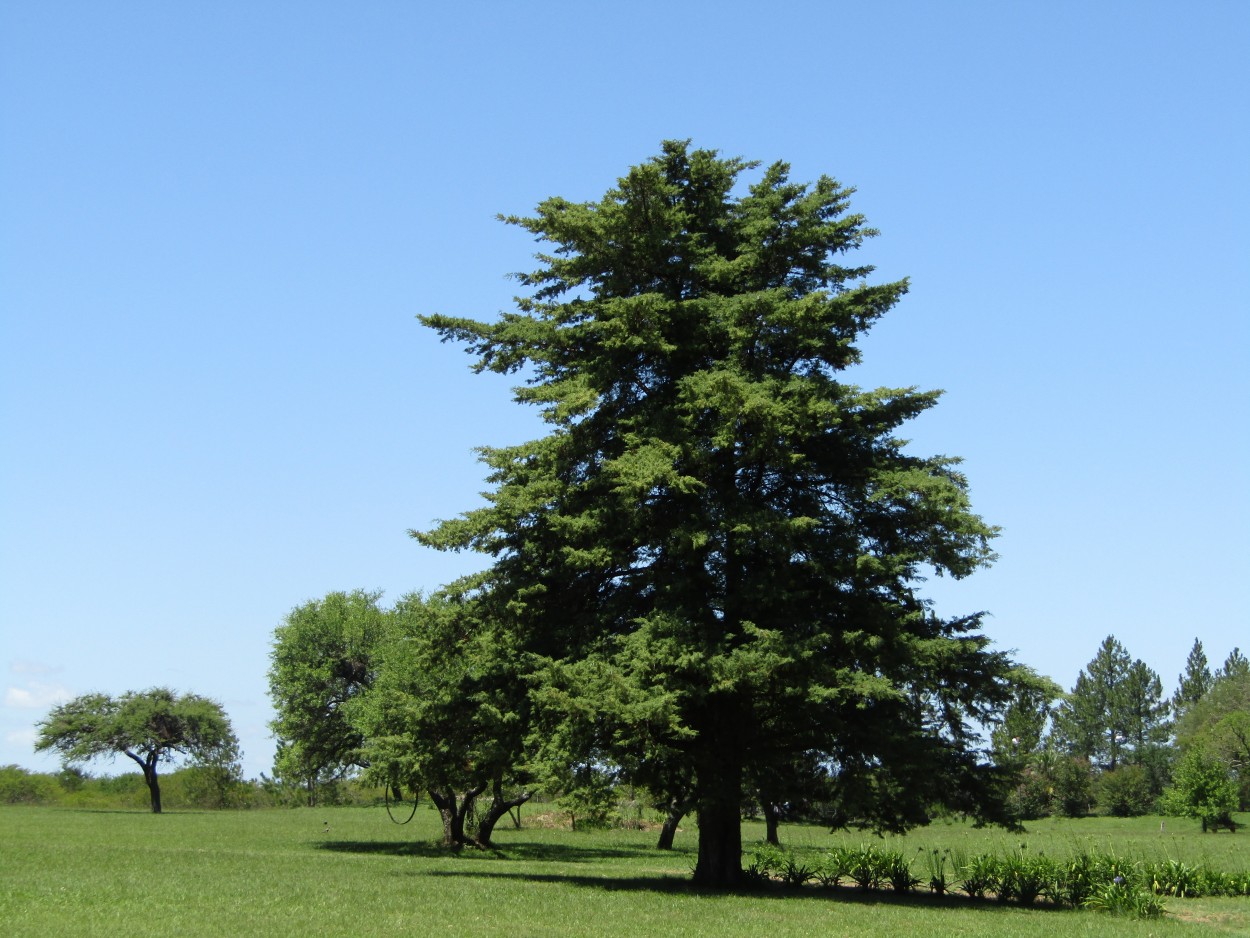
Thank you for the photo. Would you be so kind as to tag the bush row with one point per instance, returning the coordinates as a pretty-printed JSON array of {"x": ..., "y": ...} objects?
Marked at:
[{"x": 1084, "y": 880}]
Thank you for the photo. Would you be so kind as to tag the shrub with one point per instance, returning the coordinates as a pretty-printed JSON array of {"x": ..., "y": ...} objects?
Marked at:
[
  {"x": 1126, "y": 792},
  {"x": 1202, "y": 788},
  {"x": 978, "y": 875},
  {"x": 18, "y": 786},
  {"x": 1073, "y": 787},
  {"x": 1033, "y": 798}
]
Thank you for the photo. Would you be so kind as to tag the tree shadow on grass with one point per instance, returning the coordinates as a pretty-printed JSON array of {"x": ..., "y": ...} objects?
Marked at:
[
  {"x": 672, "y": 884},
  {"x": 536, "y": 852}
]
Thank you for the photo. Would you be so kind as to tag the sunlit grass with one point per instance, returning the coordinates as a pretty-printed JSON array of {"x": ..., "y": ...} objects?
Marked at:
[{"x": 349, "y": 871}]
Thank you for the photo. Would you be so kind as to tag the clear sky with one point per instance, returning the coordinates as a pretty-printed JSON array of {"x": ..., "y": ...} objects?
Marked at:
[{"x": 218, "y": 223}]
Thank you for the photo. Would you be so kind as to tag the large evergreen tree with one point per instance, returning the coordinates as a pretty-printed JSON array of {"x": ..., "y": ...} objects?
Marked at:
[
  {"x": 1115, "y": 710},
  {"x": 712, "y": 559}
]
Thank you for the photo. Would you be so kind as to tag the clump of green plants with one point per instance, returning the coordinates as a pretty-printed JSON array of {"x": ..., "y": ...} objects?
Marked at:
[
  {"x": 833, "y": 867},
  {"x": 1024, "y": 877},
  {"x": 1088, "y": 879},
  {"x": 935, "y": 865},
  {"x": 978, "y": 875},
  {"x": 865, "y": 867},
  {"x": 896, "y": 870},
  {"x": 1121, "y": 897}
]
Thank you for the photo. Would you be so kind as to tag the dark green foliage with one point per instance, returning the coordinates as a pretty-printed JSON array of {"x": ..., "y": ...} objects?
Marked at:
[
  {"x": 1033, "y": 797},
  {"x": 149, "y": 727},
  {"x": 1126, "y": 792},
  {"x": 1116, "y": 710},
  {"x": 1073, "y": 786},
  {"x": 711, "y": 561},
  {"x": 1019, "y": 734},
  {"x": 1193, "y": 685},
  {"x": 1236, "y": 665},
  {"x": 447, "y": 712}
]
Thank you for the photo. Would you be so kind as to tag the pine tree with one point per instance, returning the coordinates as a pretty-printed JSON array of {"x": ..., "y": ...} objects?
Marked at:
[
  {"x": 1116, "y": 709},
  {"x": 1194, "y": 683},
  {"x": 712, "y": 558}
]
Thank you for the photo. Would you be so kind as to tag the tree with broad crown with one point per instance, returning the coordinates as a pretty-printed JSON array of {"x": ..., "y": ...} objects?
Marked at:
[
  {"x": 447, "y": 713},
  {"x": 149, "y": 727},
  {"x": 710, "y": 563},
  {"x": 1202, "y": 788}
]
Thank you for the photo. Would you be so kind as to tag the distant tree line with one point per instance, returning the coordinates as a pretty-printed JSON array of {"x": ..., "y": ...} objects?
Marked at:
[{"x": 1115, "y": 744}]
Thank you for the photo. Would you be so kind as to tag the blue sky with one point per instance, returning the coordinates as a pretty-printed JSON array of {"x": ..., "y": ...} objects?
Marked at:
[{"x": 218, "y": 224}]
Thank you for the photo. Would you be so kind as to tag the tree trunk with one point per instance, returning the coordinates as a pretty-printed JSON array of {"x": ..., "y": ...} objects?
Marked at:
[
  {"x": 771, "y": 818},
  {"x": 154, "y": 787},
  {"x": 676, "y": 811},
  {"x": 148, "y": 765},
  {"x": 499, "y": 806},
  {"x": 454, "y": 811},
  {"x": 720, "y": 816}
]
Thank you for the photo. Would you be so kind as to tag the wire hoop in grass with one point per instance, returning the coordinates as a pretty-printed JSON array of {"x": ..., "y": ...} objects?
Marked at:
[{"x": 386, "y": 795}]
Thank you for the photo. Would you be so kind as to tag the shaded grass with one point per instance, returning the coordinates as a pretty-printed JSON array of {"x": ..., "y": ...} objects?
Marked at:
[{"x": 349, "y": 871}]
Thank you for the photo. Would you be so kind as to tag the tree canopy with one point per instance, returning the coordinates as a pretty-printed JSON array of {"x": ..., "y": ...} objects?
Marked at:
[
  {"x": 710, "y": 565},
  {"x": 149, "y": 727},
  {"x": 322, "y": 658}
]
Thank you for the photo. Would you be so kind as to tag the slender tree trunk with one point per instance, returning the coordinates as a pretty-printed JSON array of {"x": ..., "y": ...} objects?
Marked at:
[
  {"x": 499, "y": 806},
  {"x": 154, "y": 787},
  {"x": 148, "y": 765},
  {"x": 676, "y": 811},
  {"x": 771, "y": 818}
]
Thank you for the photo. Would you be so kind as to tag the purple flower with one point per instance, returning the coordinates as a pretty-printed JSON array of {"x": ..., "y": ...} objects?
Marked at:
[{"x": 1119, "y": 880}]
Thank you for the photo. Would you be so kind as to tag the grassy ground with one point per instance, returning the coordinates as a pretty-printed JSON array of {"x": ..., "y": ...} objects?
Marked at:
[{"x": 349, "y": 871}]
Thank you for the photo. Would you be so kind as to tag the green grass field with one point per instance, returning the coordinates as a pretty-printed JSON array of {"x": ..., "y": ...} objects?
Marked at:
[{"x": 350, "y": 871}]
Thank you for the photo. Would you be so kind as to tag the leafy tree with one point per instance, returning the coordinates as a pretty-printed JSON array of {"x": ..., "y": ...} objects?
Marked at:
[
  {"x": 720, "y": 534},
  {"x": 322, "y": 658},
  {"x": 1219, "y": 724},
  {"x": 1116, "y": 708},
  {"x": 1201, "y": 788},
  {"x": 149, "y": 727},
  {"x": 447, "y": 712},
  {"x": 1194, "y": 683}
]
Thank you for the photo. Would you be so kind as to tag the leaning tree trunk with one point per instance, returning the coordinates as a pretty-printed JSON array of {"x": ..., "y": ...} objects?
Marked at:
[
  {"x": 499, "y": 806},
  {"x": 148, "y": 765},
  {"x": 676, "y": 811},
  {"x": 154, "y": 789}
]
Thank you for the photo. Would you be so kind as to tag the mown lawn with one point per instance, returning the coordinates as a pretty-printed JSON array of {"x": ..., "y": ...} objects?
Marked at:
[{"x": 349, "y": 871}]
